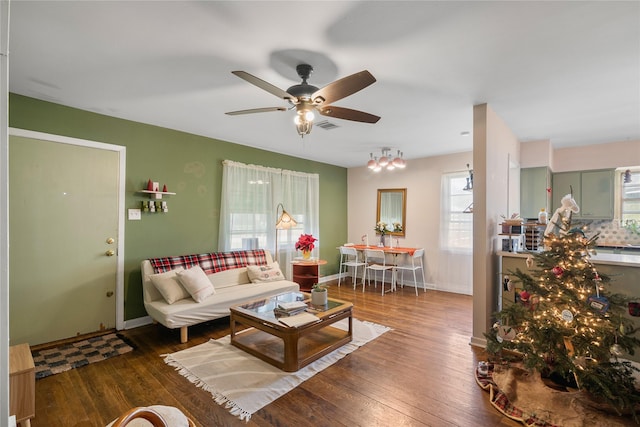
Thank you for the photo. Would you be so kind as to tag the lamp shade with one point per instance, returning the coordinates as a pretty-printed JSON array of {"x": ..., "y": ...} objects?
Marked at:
[
  {"x": 285, "y": 220},
  {"x": 371, "y": 164}
]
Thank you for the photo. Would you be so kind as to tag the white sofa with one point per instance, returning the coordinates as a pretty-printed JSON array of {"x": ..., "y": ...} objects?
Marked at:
[{"x": 232, "y": 287}]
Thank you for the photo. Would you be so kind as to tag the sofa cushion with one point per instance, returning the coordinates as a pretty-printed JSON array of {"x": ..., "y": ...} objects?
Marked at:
[
  {"x": 169, "y": 286},
  {"x": 227, "y": 278},
  {"x": 196, "y": 282},
  {"x": 264, "y": 273},
  {"x": 186, "y": 312}
]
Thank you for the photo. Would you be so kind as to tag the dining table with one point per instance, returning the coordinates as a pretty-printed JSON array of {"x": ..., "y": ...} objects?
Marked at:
[
  {"x": 395, "y": 251},
  {"x": 399, "y": 250}
]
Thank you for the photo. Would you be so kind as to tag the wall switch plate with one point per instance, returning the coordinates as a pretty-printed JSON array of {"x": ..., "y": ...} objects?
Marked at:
[{"x": 135, "y": 214}]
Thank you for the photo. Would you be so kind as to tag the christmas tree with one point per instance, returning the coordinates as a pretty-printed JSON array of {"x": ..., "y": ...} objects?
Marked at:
[{"x": 566, "y": 324}]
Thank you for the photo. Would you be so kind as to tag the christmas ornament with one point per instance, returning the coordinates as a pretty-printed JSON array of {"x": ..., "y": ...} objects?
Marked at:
[
  {"x": 558, "y": 271},
  {"x": 524, "y": 297},
  {"x": 598, "y": 303},
  {"x": 634, "y": 309},
  {"x": 567, "y": 316},
  {"x": 616, "y": 350},
  {"x": 506, "y": 332},
  {"x": 529, "y": 261},
  {"x": 577, "y": 231},
  {"x": 483, "y": 369}
]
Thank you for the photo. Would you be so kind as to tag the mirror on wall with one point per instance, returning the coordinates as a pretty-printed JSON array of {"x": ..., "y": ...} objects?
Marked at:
[{"x": 392, "y": 207}]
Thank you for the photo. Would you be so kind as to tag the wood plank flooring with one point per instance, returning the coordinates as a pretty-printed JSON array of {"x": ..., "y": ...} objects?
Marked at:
[{"x": 418, "y": 374}]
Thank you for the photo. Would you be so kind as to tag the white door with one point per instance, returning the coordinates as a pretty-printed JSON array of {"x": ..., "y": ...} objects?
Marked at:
[{"x": 64, "y": 216}]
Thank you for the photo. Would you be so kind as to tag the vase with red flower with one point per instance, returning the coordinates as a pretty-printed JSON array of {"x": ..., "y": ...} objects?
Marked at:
[{"x": 306, "y": 244}]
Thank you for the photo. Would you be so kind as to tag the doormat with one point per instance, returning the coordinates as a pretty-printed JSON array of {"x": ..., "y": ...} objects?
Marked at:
[{"x": 81, "y": 353}]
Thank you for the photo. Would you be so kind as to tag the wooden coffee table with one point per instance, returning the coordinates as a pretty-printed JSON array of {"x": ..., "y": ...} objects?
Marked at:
[{"x": 289, "y": 348}]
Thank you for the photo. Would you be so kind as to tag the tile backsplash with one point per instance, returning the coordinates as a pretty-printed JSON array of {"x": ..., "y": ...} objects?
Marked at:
[{"x": 612, "y": 233}]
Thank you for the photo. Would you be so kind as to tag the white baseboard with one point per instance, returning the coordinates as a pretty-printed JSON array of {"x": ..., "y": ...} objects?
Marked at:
[
  {"x": 478, "y": 342},
  {"x": 140, "y": 321}
]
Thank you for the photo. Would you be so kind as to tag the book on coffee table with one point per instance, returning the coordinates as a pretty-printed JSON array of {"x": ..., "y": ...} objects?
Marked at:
[
  {"x": 292, "y": 306},
  {"x": 299, "y": 320}
]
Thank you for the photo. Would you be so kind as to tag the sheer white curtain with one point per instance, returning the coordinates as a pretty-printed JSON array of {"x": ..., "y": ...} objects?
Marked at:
[
  {"x": 455, "y": 266},
  {"x": 250, "y": 198}
]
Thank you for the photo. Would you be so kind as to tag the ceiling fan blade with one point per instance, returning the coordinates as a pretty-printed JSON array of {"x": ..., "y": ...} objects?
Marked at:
[
  {"x": 256, "y": 110},
  {"x": 274, "y": 90},
  {"x": 347, "y": 114},
  {"x": 343, "y": 88}
]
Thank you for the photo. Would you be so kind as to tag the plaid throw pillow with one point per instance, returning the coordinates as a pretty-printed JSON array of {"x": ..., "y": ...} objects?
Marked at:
[{"x": 211, "y": 262}]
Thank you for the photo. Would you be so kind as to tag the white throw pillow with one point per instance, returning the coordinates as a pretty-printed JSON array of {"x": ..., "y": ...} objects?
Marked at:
[
  {"x": 196, "y": 282},
  {"x": 264, "y": 273},
  {"x": 168, "y": 285}
]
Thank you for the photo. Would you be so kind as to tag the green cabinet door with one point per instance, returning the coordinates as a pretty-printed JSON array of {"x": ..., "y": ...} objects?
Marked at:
[
  {"x": 565, "y": 183},
  {"x": 597, "y": 194},
  {"x": 592, "y": 191},
  {"x": 533, "y": 191}
]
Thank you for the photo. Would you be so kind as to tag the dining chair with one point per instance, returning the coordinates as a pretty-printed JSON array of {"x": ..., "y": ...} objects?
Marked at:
[
  {"x": 350, "y": 257},
  {"x": 416, "y": 263},
  {"x": 377, "y": 261}
]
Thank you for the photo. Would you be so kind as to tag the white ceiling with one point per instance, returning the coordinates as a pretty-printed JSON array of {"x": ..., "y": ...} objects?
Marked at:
[{"x": 567, "y": 71}]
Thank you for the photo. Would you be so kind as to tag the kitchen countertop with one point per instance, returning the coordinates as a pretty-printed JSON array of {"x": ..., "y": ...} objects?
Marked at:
[{"x": 601, "y": 258}]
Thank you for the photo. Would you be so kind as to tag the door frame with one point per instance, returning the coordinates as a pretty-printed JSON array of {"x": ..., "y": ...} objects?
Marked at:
[{"x": 122, "y": 153}]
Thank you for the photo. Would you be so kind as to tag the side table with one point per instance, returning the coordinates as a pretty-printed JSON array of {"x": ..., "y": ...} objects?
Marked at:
[
  {"x": 306, "y": 272},
  {"x": 22, "y": 384}
]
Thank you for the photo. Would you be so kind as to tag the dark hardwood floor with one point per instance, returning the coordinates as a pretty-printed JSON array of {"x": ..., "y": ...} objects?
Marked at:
[{"x": 418, "y": 374}]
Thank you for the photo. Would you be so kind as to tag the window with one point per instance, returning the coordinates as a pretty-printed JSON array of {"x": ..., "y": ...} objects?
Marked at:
[
  {"x": 456, "y": 223},
  {"x": 250, "y": 197},
  {"x": 629, "y": 202}
]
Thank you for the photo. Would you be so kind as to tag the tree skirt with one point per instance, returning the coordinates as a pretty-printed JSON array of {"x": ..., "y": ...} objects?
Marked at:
[{"x": 523, "y": 396}]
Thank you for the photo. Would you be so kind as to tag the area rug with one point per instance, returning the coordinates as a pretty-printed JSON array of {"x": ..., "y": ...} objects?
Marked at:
[
  {"x": 522, "y": 396},
  {"x": 81, "y": 353},
  {"x": 244, "y": 383}
]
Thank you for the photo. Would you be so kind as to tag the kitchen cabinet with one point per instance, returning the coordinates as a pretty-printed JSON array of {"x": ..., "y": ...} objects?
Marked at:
[
  {"x": 597, "y": 194},
  {"x": 563, "y": 184},
  {"x": 533, "y": 191},
  {"x": 592, "y": 191}
]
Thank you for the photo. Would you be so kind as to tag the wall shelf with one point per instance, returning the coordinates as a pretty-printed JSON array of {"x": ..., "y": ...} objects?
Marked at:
[{"x": 157, "y": 194}]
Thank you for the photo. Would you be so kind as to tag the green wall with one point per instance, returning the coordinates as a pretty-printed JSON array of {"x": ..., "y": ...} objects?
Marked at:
[{"x": 190, "y": 166}]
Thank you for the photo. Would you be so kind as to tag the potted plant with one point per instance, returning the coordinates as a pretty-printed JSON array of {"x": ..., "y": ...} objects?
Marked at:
[
  {"x": 319, "y": 295},
  {"x": 305, "y": 244}
]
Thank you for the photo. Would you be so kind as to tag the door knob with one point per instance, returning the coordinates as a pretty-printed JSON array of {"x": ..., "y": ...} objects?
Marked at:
[
  {"x": 110, "y": 253},
  {"x": 110, "y": 240},
  {"x": 109, "y": 294}
]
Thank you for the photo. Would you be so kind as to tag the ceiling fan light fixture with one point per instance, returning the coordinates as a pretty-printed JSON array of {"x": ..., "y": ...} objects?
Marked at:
[{"x": 303, "y": 126}]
